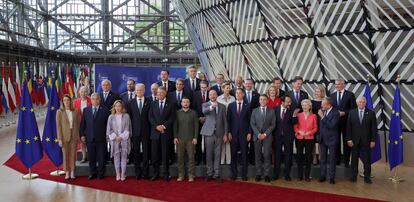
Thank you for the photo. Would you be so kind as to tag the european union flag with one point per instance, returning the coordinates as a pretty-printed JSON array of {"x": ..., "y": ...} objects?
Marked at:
[
  {"x": 49, "y": 139},
  {"x": 395, "y": 141},
  {"x": 376, "y": 151},
  {"x": 28, "y": 145}
]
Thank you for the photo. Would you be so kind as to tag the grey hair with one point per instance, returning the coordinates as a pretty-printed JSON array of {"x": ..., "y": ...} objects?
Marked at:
[
  {"x": 361, "y": 98},
  {"x": 340, "y": 79},
  {"x": 139, "y": 85},
  {"x": 106, "y": 80},
  {"x": 82, "y": 88},
  {"x": 155, "y": 84},
  {"x": 95, "y": 95}
]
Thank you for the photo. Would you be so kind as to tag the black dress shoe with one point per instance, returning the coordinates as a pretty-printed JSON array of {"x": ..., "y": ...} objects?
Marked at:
[
  {"x": 258, "y": 178},
  {"x": 146, "y": 177},
  {"x": 138, "y": 177},
  {"x": 233, "y": 177},
  {"x": 155, "y": 177},
  {"x": 288, "y": 178},
  {"x": 331, "y": 181},
  {"x": 353, "y": 179},
  {"x": 166, "y": 178},
  {"x": 219, "y": 180},
  {"x": 300, "y": 178},
  {"x": 244, "y": 178},
  {"x": 322, "y": 179},
  {"x": 91, "y": 177},
  {"x": 267, "y": 179},
  {"x": 100, "y": 177},
  {"x": 275, "y": 178},
  {"x": 368, "y": 181},
  {"x": 208, "y": 178}
]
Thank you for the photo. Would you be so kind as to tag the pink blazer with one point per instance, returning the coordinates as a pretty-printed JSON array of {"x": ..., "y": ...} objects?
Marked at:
[{"x": 309, "y": 124}]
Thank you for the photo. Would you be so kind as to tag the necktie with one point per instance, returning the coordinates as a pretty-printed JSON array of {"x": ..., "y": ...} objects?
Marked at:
[
  {"x": 297, "y": 96},
  {"x": 161, "y": 107},
  {"x": 179, "y": 97},
  {"x": 192, "y": 85},
  {"x": 263, "y": 111},
  {"x": 203, "y": 97},
  {"x": 249, "y": 97},
  {"x": 239, "y": 108},
  {"x": 140, "y": 105},
  {"x": 283, "y": 114},
  {"x": 94, "y": 112},
  {"x": 339, "y": 98},
  {"x": 130, "y": 96},
  {"x": 219, "y": 88},
  {"x": 165, "y": 86},
  {"x": 361, "y": 116},
  {"x": 105, "y": 96}
]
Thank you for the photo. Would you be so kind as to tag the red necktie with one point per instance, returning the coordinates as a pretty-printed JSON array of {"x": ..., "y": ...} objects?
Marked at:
[
  {"x": 203, "y": 97},
  {"x": 283, "y": 114}
]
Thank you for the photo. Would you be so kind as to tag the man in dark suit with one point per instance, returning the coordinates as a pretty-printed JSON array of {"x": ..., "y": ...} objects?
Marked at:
[
  {"x": 238, "y": 118},
  {"x": 161, "y": 116},
  {"x": 252, "y": 99},
  {"x": 165, "y": 82},
  {"x": 328, "y": 139},
  {"x": 138, "y": 109},
  {"x": 199, "y": 98},
  {"x": 238, "y": 83},
  {"x": 278, "y": 83},
  {"x": 343, "y": 101},
  {"x": 297, "y": 94},
  {"x": 192, "y": 83},
  {"x": 361, "y": 135},
  {"x": 176, "y": 96},
  {"x": 154, "y": 89},
  {"x": 130, "y": 93},
  {"x": 107, "y": 96},
  {"x": 283, "y": 136},
  {"x": 93, "y": 132},
  {"x": 219, "y": 84}
]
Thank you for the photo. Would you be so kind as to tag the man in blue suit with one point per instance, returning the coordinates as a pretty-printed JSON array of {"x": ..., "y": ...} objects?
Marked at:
[
  {"x": 238, "y": 118},
  {"x": 93, "y": 131},
  {"x": 328, "y": 139}
]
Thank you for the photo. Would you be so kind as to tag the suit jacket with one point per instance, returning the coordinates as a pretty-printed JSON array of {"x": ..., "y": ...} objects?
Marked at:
[
  {"x": 285, "y": 126},
  {"x": 94, "y": 128},
  {"x": 309, "y": 125},
  {"x": 216, "y": 88},
  {"x": 197, "y": 102},
  {"x": 125, "y": 97},
  {"x": 151, "y": 98},
  {"x": 165, "y": 118},
  {"x": 295, "y": 105},
  {"x": 260, "y": 124},
  {"x": 171, "y": 85},
  {"x": 112, "y": 97},
  {"x": 233, "y": 91},
  {"x": 172, "y": 98},
  {"x": 361, "y": 133},
  {"x": 187, "y": 85},
  {"x": 254, "y": 99},
  {"x": 238, "y": 124},
  {"x": 63, "y": 127},
  {"x": 347, "y": 103},
  {"x": 139, "y": 120},
  {"x": 214, "y": 121},
  {"x": 328, "y": 128},
  {"x": 78, "y": 102}
]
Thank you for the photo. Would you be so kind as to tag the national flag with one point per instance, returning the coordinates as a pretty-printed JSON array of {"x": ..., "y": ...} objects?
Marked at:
[
  {"x": 10, "y": 89},
  {"x": 28, "y": 143},
  {"x": 8, "y": 102},
  {"x": 40, "y": 85},
  {"x": 376, "y": 151},
  {"x": 2, "y": 103},
  {"x": 49, "y": 139},
  {"x": 395, "y": 139},
  {"x": 17, "y": 86}
]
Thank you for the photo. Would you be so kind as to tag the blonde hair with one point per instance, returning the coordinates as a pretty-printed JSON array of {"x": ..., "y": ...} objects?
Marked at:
[
  {"x": 320, "y": 88},
  {"x": 268, "y": 89},
  {"x": 113, "y": 111},
  {"x": 307, "y": 101},
  {"x": 62, "y": 106}
]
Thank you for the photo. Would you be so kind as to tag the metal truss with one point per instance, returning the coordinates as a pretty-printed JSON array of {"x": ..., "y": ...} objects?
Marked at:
[{"x": 358, "y": 40}]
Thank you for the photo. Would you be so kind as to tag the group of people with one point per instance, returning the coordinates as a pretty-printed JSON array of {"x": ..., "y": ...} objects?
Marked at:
[{"x": 217, "y": 125}]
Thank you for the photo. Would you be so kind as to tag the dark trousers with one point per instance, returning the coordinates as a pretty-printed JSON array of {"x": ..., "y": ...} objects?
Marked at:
[
  {"x": 328, "y": 158},
  {"x": 304, "y": 159},
  {"x": 141, "y": 158},
  {"x": 287, "y": 144},
  {"x": 346, "y": 149},
  {"x": 97, "y": 154},
  {"x": 366, "y": 159},
  {"x": 199, "y": 155},
  {"x": 239, "y": 141},
  {"x": 161, "y": 145},
  {"x": 251, "y": 151}
]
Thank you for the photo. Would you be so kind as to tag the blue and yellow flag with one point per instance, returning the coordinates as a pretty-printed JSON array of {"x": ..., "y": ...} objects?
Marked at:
[
  {"x": 395, "y": 141},
  {"x": 376, "y": 151},
  {"x": 28, "y": 143},
  {"x": 49, "y": 139}
]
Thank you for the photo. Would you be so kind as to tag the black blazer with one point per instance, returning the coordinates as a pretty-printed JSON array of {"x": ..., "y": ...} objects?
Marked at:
[
  {"x": 197, "y": 103},
  {"x": 295, "y": 105},
  {"x": 94, "y": 128},
  {"x": 139, "y": 121},
  {"x": 172, "y": 98},
  {"x": 238, "y": 123},
  {"x": 215, "y": 87},
  {"x": 233, "y": 91},
  {"x": 112, "y": 97},
  {"x": 361, "y": 133},
  {"x": 328, "y": 128},
  {"x": 125, "y": 97},
  {"x": 348, "y": 102},
  {"x": 165, "y": 118},
  {"x": 285, "y": 126},
  {"x": 281, "y": 93},
  {"x": 151, "y": 99},
  {"x": 255, "y": 100},
  {"x": 187, "y": 85},
  {"x": 171, "y": 85}
]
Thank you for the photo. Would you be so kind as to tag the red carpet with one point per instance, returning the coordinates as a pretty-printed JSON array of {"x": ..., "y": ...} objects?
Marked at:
[{"x": 184, "y": 191}]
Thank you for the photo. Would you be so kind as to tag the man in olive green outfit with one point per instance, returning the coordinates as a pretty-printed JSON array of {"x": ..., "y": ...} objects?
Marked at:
[{"x": 185, "y": 138}]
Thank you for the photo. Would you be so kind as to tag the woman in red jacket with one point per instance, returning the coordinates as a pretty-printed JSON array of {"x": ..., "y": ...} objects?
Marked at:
[
  {"x": 80, "y": 104},
  {"x": 305, "y": 130},
  {"x": 274, "y": 99}
]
